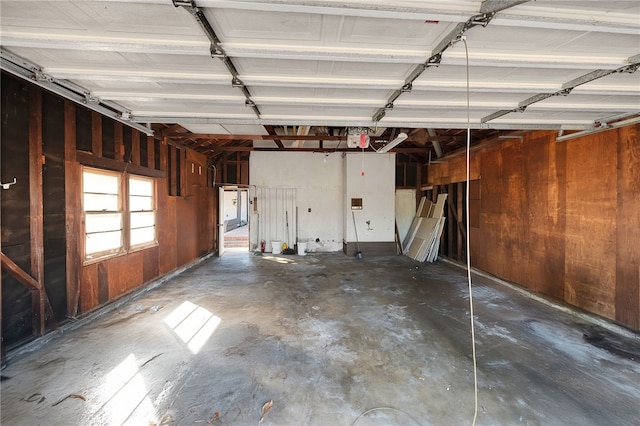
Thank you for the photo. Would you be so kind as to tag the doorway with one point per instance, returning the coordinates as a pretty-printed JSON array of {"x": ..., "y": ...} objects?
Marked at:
[{"x": 234, "y": 219}]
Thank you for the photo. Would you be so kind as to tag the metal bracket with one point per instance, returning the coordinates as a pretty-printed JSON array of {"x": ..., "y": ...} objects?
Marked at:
[
  {"x": 90, "y": 99},
  {"x": 41, "y": 76},
  {"x": 125, "y": 115},
  {"x": 629, "y": 68},
  {"x": 8, "y": 184}
]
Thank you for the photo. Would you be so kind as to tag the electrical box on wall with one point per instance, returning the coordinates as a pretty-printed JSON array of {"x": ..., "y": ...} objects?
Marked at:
[{"x": 356, "y": 204}]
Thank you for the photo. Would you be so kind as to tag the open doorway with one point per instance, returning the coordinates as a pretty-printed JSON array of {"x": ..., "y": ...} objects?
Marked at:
[{"x": 234, "y": 214}]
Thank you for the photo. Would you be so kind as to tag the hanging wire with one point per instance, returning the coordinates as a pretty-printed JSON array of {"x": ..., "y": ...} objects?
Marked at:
[{"x": 468, "y": 167}]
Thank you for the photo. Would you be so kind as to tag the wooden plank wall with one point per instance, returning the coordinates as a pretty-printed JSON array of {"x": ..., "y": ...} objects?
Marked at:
[
  {"x": 561, "y": 219},
  {"x": 14, "y": 208},
  {"x": 69, "y": 135},
  {"x": 183, "y": 227}
]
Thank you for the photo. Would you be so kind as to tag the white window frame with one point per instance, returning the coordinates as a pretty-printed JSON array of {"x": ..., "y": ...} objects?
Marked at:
[
  {"x": 94, "y": 215},
  {"x": 149, "y": 210},
  {"x": 125, "y": 203}
]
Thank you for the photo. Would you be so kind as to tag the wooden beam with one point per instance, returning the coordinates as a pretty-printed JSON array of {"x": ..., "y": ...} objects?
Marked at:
[
  {"x": 225, "y": 137},
  {"x": 36, "y": 218},
  {"x": 135, "y": 147},
  {"x": 72, "y": 178},
  {"x": 38, "y": 292},
  {"x": 272, "y": 132},
  {"x": 18, "y": 273},
  {"x": 110, "y": 164},
  {"x": 96, "y": 134},
  {"x": 151, "y": 152},
  {"x": 118, "y": 145}
]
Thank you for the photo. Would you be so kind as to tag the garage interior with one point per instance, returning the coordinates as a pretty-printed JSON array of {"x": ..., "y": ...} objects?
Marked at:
[{"x": 204, "y": 205}]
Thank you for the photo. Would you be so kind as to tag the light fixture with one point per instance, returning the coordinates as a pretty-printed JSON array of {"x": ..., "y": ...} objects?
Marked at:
[{"x": 400, "y": 138}]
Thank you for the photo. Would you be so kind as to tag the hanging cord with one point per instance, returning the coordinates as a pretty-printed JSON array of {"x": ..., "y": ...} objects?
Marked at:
[{"x": 473, "y": 333}]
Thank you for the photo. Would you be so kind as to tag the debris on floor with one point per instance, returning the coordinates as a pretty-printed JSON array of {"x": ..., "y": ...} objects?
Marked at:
[{"x": 265, "y": 409}]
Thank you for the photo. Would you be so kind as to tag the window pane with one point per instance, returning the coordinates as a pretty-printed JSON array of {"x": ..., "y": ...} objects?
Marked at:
[
  {"x": 137, "y": 203},
  {"x": 100, "y": 182},
  {"x": 140, "y": 220},
  {"x": 143, "y": 235},
  {"x": 104, "y": 241},
  {"x": 103, "y": 222},
  {"x": 140, "y": 187},
  {"x": 100, "y": 202}
]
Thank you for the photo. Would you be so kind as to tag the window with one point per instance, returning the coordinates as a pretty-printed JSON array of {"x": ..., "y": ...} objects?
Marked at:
[
  {"x": 105, "y": 207},
  {"x": 142, "y": 212},
  {"x": 102, "y": 213}
]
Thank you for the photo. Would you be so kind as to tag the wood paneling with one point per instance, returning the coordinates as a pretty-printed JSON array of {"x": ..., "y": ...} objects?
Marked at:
[
  {"x": 167, "y": 236},
  {"x": 14, "y": 131},
  {"x": 89, "y": 288},
  {"x": 150, "y": 264},
  {"x": 53, "y": 203},
  {"x": 45, "y": 140},
  {"x": 186, "y": 230},
  {"x": 561, "y": 219},
  {"x": 627, "y": 300},
  {"x": 590, "y": 236}
]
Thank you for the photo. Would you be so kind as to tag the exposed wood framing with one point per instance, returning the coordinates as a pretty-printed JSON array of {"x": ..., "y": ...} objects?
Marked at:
[
  {"x": 108, "y": 163},
  {"x": 96, "y": 134},
  {"x": 37, "y": 291},
  {"x": 73, "y": 207},
  {"x": 118, "y": 145},
  {"x": 36, "y": 161}
]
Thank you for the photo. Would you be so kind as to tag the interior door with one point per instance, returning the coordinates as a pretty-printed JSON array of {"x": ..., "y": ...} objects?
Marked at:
[{"x": 220, "y": 221}]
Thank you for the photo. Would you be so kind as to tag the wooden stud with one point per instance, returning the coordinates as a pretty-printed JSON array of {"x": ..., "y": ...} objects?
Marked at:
[
  {"x": 135, "y": 147},
  {"x": 151, "y": 159},
  {"x": 96, "y": 134},
  {"x": 36, "y": 209},
  {"x": 118, "y": 144},
  {"x": 73, "y": 230}
]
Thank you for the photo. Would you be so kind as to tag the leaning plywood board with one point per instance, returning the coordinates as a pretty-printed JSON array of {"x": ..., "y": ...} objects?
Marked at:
[
  {"x": 435, "y": 249},
  {"x": 438, "y": 210},
  {"x": 412, "y": 233},
  {"x": 424, "y": 208},
  {"x": 424, "y": 233},
  {"x": 417, "y": 243}
]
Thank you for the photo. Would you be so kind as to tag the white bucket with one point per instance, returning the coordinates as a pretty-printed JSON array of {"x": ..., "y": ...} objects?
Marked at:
[
  {"x": 276, "y": 247},
  {"x": 302, "y": 249}
]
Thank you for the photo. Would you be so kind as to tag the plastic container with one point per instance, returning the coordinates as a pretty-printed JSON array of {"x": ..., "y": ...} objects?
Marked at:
[
  {"x": 276, "y": 247},
  {"x": 302, "y": 249}
]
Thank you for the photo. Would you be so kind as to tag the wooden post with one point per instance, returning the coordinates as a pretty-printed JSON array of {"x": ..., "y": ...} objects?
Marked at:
[
  {"x": 135, "y": 146},
  {"x": 73, "y": 231},
  {"x": 118, "y": 145},
  {"x": 96, "y": 134},
  {"x": 36, "y": 161},
  {"x": 151, "y": 152}
]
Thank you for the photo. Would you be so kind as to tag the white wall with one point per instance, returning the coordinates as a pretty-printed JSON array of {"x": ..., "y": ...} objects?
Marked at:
[
  {"x": 318, "y": 183},
  {"x": 230, "y": 209},
  {"x": 377, "y": 190}
]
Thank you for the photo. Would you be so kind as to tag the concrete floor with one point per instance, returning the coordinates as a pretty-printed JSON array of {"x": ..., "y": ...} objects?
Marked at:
[{"x": 326, "y": 338}]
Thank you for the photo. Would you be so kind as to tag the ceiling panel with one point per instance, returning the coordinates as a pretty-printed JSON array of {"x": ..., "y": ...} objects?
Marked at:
[{"x": 335, "y": 63}]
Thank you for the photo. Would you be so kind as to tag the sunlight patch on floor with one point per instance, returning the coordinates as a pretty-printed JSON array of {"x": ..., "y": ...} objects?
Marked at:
[{"x": 193, "y": 324}]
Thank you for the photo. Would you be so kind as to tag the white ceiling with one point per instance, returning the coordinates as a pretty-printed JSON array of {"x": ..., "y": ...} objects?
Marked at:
[{"x": 336, "y": 63}]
